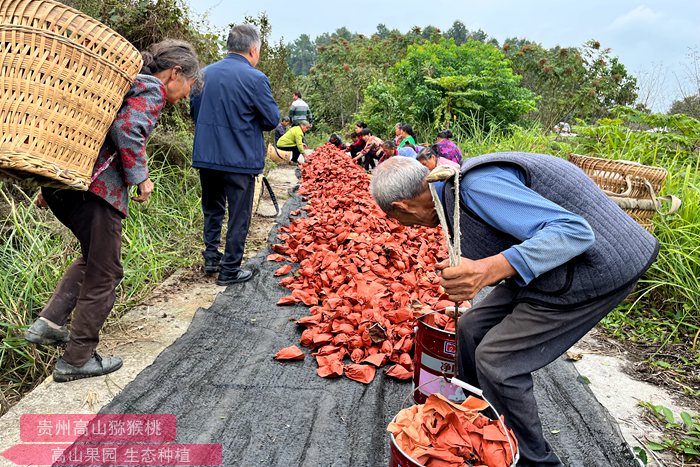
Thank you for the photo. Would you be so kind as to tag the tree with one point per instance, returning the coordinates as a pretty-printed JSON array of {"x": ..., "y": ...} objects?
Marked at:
[
  {"x": 443, "y": 84},
  {"x": 430, "y": 33},
  {"x": 382, "y": 31},
  {"x": 480, "y": 36},
  {"x": 572, "y": 82},
  {"x": 323, "y": 40},
  {"x": 688, "y": 105},
  {"x": 335, "y": 85},
  {"x": 457, "y": 32},
  {"x": 301, "y": 55},
  {"x": 343, "y": 33},
  {"x": 651, "y": 84}
]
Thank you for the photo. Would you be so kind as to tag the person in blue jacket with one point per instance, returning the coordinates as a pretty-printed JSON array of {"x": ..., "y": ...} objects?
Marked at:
[
  {"x": 559, "y": 252},
  {"x": 231, "y": 113}
]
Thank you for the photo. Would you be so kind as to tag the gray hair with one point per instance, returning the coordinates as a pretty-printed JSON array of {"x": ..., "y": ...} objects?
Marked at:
[
  {"x": 304, "y": 123},
  {"x": 396, "y": 179},
  {"x": 171, "y": 53},
  {"x": 242, "y": 37}
]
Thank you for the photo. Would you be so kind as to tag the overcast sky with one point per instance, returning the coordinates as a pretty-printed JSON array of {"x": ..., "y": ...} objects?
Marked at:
[{"x": 652, "y": 38}]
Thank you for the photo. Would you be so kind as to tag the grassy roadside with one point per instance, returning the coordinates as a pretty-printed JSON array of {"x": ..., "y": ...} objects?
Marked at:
[
  {"x": 158, "y": 238},
  {"x": 662, "y": 317}
]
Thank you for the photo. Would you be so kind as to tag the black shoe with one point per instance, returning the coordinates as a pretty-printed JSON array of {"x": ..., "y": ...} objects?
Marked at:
[
  {"x": 238, "y": 276},
  {"x": 42, "y": 334},
  {"x": 96, "y": 366},
  {"x": 211, "y": 266}
]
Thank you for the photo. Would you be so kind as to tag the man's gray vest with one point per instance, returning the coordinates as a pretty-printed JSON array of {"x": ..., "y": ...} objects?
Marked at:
[{"x": 622, "y": 250}]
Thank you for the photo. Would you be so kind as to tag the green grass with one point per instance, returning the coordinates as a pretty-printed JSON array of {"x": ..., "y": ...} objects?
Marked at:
[
  {"x": 665, "y": 310},
  {"x": 663, "y": 315},
  {"x": 158, "y": 237}
]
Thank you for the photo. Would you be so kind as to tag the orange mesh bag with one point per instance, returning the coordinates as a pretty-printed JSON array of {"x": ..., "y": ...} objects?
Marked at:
[{"x": 63, "y": 79}]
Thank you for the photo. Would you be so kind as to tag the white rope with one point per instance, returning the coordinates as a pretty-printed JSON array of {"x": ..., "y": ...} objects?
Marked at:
[
  {"x": 455, "y": 254},
  {"x": 454, "y": 248}
]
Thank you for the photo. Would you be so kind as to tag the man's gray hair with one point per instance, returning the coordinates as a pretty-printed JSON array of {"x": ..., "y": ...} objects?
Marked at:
[
  {"x": 242, "y": 37},
  {"x": 396, "y": 179}
]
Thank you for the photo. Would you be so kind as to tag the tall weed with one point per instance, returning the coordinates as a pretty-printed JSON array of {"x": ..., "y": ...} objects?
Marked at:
[
  {"x": 158, "y": 237},
  {"x": 665, "y": 308}
]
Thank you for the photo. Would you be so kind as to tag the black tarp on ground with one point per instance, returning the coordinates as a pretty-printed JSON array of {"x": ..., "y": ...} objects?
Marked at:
[{"x": 221, "y": 382}]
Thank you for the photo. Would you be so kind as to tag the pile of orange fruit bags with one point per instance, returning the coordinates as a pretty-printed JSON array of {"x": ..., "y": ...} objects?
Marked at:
[{"x": 364, "y": 276}]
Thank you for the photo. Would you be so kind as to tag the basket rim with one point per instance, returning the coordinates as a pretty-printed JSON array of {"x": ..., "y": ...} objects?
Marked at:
[
  {"x": 618, "y": 170},
  {"x": 625, "y": 162},
  {"x": 72, "y": 44},
  {"x": 81, "y": 14}
]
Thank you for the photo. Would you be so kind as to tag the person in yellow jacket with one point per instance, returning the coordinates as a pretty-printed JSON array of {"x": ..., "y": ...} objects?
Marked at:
[{"x": 293, "y": 140}]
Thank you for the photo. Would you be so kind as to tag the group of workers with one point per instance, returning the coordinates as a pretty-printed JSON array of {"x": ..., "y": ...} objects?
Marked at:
[
  {"x": 293, "y": 139},
  {"x": 558, "y": 252},
  {"x": 371, "y": 151}
]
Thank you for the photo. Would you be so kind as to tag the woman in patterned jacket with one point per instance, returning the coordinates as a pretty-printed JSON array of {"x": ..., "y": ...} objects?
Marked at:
[
  {"x": 89, "y": 285},
  {"x": 447, "y": 148}
]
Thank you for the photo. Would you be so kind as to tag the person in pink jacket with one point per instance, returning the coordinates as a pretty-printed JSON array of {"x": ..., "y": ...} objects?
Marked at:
[{"x": 88, "y": 287}]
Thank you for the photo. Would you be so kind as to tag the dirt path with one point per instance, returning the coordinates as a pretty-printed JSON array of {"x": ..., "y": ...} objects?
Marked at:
[{"x": 606, "y": 367}]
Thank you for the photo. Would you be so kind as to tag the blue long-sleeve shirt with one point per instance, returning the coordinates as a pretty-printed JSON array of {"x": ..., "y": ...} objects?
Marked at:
[{"x": 550, "y": 235}]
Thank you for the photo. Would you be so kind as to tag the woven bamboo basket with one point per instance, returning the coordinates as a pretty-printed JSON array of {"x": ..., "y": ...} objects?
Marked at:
[
  {"x": 64, "y": 76},
  {"x": 278, "y": 156},
  {"x": 631, "y": 185}
]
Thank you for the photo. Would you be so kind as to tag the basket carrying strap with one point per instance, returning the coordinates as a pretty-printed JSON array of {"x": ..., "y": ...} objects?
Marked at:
[
  {"x": 675, "y": 203},
  {"x": 278, "y": 155},
  {"x": 648, "y": 204}
]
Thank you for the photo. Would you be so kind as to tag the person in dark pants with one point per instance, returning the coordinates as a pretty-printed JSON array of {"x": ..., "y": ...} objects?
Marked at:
[
  {"x": 218, "y": 188},
  {"x": 231, "y": 113},
  {"x": 293, "y": 140},
  {"x": 281, "y": 129},
  {"x": 89, "y": 285},
  {"x": 560, "y": 254},
  {"x": 372, "y": 150}
]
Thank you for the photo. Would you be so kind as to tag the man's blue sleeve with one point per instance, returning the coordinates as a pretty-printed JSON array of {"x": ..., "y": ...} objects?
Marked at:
[
  {"x": 195, "y": 101},
  {"x": 266, "y": 105},
  {"x": 550, "y": 234}
]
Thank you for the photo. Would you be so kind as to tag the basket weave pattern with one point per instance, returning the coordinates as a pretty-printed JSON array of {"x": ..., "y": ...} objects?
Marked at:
[
  {"x": 63, "y": 76},
  {"x": 625, "y": 179}
]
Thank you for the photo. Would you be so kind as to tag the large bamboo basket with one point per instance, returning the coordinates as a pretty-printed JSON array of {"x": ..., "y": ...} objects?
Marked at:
[
  {"x": 631, "y": 185},
  {"x": 63, "y": 78}
]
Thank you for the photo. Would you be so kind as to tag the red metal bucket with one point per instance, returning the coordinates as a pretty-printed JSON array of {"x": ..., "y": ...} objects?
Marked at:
[
  {"x": 398, "y": 458},
  {"x": 434, "y": 357}
]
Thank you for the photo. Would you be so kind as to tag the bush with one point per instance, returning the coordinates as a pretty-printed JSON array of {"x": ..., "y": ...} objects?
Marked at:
[{"x": 441, "y": 85}]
